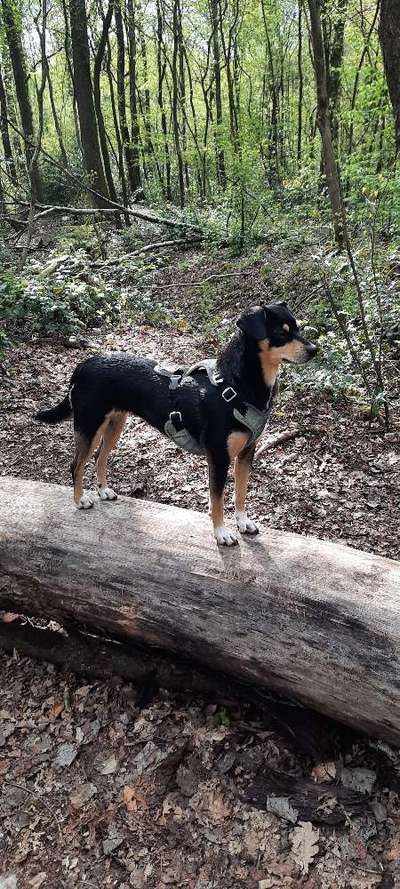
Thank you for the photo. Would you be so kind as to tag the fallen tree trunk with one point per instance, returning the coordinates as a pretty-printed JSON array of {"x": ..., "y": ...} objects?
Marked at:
[{"x": 311, "y": 619}]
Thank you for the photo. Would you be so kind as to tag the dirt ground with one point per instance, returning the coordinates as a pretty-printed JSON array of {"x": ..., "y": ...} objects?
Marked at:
[{"x": 99, "y": 790}]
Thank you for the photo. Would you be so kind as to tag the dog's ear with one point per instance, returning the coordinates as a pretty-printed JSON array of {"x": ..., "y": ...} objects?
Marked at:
[{"x": 253, "y": 323}]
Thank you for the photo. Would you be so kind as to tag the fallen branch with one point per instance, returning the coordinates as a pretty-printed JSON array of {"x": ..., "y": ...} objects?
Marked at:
[
  {"x": 272, "y": 441},
  {"x": 204, "y": 281},
  {"x": 148, "y": 248}
]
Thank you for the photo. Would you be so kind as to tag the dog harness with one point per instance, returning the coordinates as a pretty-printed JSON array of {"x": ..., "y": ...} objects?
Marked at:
[{"x": 250, "y": 416}]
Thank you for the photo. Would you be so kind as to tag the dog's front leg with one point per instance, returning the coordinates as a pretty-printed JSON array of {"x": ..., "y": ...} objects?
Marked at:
[
  {"x": 243, "y": 464},
  {"x": 218, "y": 465}
]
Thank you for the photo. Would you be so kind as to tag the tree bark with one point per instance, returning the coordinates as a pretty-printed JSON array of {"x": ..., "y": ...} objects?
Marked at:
[
  {"x": 84, "y": 98},
  {"x": 311, "y": 619},
  {"x": 389, "y": 35},
  {"x": 21, "y": 88}
]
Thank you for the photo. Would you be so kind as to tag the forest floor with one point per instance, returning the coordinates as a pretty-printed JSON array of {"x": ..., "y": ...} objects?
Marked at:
[{"x": 98, "y": 790}]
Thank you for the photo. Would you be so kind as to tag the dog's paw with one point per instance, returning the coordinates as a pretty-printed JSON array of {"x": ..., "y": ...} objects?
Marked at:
[
  {"x": 225, "y": 537},
  {"x": 106, "y": 493},
  {"x": 245, "y": 525},
  {"x": 85, "y": 502}
]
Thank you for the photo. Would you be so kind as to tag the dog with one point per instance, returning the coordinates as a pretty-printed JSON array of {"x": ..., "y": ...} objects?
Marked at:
[{"x": 216, "y": 408}]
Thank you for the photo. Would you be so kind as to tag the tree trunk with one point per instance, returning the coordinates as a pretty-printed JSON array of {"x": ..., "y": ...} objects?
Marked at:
[
  {"x": 311, "y": 619},
  {"x": 161, "y": 67},
  {"x": 84, "y": 98},
  {"x": 5, "y": 134},
  {"x": 98, "y": 61},
  {"x": 135, "y": 134},
  {"x": 389, "y": 35},
  {"x": 323, "y": 120},
  {"x": 216, "y": 49},
  {"x": 21, "y": 88}
]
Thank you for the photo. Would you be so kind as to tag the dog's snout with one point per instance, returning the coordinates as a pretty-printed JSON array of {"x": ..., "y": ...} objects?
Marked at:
[{"x": 311, "y": 349}]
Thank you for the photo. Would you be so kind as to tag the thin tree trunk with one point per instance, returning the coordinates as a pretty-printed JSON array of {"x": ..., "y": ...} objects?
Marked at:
[
  {"x": 135, "y": 134},
  {"x": 5, "y": 135},
  {"x": 161, "y": 67},
  {"x": 84, "y": 98},
  {"x": 98, "y": 61},
  {"x": 389, "y": 35},
  {"x": 323, "y": 121},
  {"x": 21, "y": 87},
  {"x": 57, "y": 125},
  {"x": 126, "y": 140},
  {"x": 175, "y": 102},
  {"x": 216, "y": 49},
  {"x": 120, "y": 149},
  {"x": 301, "y": 82}
]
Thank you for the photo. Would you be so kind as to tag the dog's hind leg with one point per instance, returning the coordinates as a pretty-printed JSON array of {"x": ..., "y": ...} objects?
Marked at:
[
  {"x": 85, "y": 445},
  {"x": 243, "y": 465},
  {"x": 111, "y": 436}
]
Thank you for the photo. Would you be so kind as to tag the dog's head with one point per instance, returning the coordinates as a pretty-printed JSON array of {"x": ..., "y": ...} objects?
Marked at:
[{"x": 276, "y": 330}]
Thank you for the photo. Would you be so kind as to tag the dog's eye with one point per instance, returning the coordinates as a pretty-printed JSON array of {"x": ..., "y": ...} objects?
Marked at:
[{"x": 286, "y": 328}]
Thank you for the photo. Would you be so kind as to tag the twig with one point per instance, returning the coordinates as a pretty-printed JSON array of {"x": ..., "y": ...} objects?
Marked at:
[
  {"x": 365, "y": 870},
  {"x": 204, "y": 280}
]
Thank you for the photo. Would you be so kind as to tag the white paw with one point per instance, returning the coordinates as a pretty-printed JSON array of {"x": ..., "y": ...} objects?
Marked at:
[
  {"x": 86, "y": 501},
  {"x": 106, "y": 493},
  {"x": 245, "y": 525},
  {"x": 225, "y": 537}
]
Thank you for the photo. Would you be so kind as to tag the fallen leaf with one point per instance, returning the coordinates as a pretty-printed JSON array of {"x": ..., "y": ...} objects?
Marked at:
[
  {"x": 82, "y": 795},
  {"x": 38, "y": 880},
  {"x": 55, "y": 711},
  {"x": 108, "y": 766},
  {"x": 324, "y": 773},
  {"x": 217, "y": 807},
  {"x": 280, "y": 806},
  {"x": 132, "y": 798},
  {"x": 304, "y": 845},
  {"x": 65, "y": 756}
]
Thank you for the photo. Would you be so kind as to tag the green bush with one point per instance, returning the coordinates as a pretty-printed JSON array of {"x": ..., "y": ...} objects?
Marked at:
[{"x": 57, "y": 306}]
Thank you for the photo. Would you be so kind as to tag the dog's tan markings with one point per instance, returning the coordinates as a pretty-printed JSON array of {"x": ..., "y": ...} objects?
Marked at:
[
  {"x": 271, "y": 357},
  {"x": 112, "y": 432},
  {"x": 242, "y": 475},
  {"x": 236, "y": 442},
  {"x": 270, "y": 362},
  {"x": 217, "y": 509}
]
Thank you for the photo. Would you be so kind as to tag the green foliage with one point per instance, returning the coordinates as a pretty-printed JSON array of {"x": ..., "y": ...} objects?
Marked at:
[{"x": 44, "y": 307}]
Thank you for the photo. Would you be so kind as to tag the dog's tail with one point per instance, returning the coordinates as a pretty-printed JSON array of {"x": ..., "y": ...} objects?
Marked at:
[{"x": 56, "y": 414}]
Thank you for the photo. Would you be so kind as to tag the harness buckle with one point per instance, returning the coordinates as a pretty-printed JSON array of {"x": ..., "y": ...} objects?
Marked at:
[
  {"x": 175, "y": 417},
  {"x": 229, "y": 394},
  {"x": 218, "y": 379}
]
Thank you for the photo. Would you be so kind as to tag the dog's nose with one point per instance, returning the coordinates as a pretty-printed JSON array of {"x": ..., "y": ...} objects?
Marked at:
[{"x": 312, "y": 350}]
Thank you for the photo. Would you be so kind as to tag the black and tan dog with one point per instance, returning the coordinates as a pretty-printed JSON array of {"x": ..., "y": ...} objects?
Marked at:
[{"x": 218, "y": 409}]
